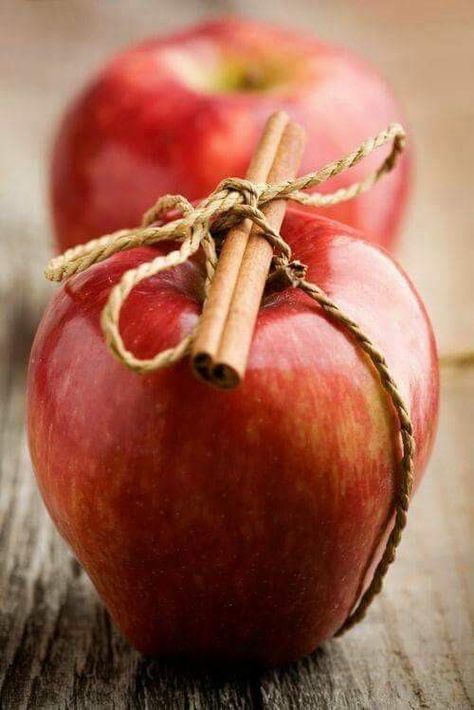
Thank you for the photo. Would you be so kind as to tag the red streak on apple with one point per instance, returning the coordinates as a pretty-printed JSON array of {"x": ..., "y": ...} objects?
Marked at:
[
  {"x": 178, "y": 114},
  {"x": 237, "y": 525}
]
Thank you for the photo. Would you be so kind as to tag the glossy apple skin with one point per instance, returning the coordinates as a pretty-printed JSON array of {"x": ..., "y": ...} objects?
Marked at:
[
  {"x": 143, "y": 128},
  {"x": 237, "y": 525}
]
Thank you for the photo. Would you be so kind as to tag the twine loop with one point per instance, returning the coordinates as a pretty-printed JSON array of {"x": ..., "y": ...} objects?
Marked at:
[
  {"x": 202, "y": 226},
  {"x": 250, "y": 192},
  {"x": 164, "y": 205}
]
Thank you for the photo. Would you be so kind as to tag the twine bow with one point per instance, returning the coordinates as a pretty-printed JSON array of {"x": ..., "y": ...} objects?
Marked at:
[
  {"x": 233, "y": 200},
  {"x": 200, "y": 227}
]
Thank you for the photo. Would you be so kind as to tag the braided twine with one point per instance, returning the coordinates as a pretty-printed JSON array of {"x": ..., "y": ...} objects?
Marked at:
[{"x": 202, "y": 226}]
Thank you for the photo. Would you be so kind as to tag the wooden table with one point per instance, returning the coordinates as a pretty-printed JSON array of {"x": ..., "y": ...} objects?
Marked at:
[{"x": 57, "y": 647}]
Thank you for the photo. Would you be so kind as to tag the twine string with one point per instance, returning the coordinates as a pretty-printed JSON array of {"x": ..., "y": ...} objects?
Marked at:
[
  {"x": 406, "y": 473},
  {"x": 221, "y": 209},
  {"x": 200, "y": 227}
]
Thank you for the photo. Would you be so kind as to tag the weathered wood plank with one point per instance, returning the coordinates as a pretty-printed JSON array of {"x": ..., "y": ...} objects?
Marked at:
[{"x": 57, "y": 646}]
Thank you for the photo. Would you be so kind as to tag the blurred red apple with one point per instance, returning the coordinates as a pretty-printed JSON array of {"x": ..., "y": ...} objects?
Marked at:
[
  {"x": 178, "y": 114},
  {"x": 239, "y": 525}
]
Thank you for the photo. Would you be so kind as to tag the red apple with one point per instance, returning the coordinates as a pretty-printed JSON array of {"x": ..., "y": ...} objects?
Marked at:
[
  {"x": 231, "y": 524},
  {"x": 177, "y": 114}
]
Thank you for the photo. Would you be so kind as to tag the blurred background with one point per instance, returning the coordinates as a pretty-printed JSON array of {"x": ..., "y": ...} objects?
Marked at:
[{"x": 425, "y": 48}]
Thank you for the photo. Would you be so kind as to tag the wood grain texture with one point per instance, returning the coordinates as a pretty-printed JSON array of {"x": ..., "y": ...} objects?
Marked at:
[{"x": 415, "y": 650}]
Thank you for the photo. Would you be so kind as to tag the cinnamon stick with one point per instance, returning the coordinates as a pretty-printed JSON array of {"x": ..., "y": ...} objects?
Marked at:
[
  {"x": 231, "y": 358},
  {"x": 211, "y": 326}
]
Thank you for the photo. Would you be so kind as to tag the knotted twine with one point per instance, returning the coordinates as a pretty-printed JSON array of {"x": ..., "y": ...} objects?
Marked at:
[{"x": 204, "y": 226}]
